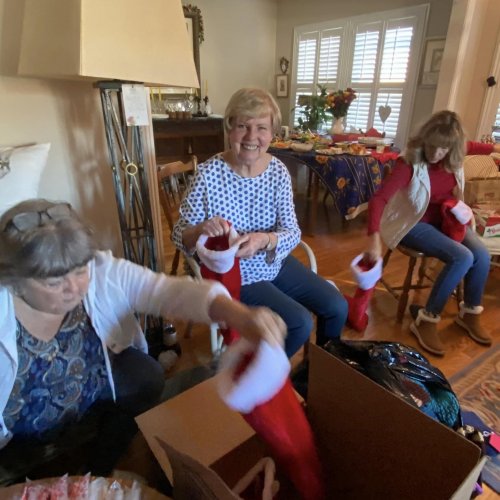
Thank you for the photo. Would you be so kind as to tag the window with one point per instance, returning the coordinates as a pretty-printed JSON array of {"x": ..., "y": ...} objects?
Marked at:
[
  {"x": 377, "y": 55},
  {"x": 496, "y": 126}
]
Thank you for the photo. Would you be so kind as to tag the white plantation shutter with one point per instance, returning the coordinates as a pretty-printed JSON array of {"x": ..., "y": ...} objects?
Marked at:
[
  {"x": 392, "y": 99},
  {"x": 496, "y": 133},
  {"x": 329, "y": 55},
  {"x": 377, "y": 55},
  {"x": 359, "y": 111},
  {"x": 396, "y": 54},
  {"x": 306, "y": 58},
  {"x": 365, "y": 53}
]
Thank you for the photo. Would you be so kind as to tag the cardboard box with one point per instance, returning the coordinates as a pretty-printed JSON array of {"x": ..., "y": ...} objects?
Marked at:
[
  {"x": 480, "y": 190},
  {"x": 373, "y": 445},
  {"x": 487, "y": 216}
]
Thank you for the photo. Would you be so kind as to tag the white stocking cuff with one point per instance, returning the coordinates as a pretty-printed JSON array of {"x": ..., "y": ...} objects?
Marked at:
[
  {"x": 462, "y": 212},
  {"x": 262, "y": 379},
  {"x": 218, "y": 261},
  {"x": 366, "y": 279}
]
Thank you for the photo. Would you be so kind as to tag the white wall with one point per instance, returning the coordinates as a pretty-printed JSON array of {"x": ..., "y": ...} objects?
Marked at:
[
  {"x": 239, "y": 47},
  {"x": 66, "y": 114},
  {"x": 292, "y": 13},
  {"x": 467, "y": 61}
]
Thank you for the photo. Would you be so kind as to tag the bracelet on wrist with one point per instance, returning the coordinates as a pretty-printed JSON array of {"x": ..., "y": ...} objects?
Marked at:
[{"x": 269, "y": 245}]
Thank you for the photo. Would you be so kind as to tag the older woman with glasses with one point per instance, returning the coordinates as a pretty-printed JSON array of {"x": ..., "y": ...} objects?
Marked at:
[{"x": 73, "y": 358}]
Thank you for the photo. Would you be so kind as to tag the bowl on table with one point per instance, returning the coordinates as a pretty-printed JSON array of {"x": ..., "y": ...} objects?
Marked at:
[{"x": 301, "y": 147}]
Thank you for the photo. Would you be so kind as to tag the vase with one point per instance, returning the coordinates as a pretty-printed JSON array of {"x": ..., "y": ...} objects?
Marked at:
[{"x": 337, "y": 126}]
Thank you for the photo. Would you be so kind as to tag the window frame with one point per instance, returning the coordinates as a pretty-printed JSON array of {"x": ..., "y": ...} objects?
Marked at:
[{"x": 346, "y": 56}]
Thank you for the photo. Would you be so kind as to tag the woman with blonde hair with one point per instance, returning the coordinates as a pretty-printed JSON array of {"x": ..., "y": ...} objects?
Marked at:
[
  {"x": 407, "y": 209},
  {"x": 252, "y": 190}
]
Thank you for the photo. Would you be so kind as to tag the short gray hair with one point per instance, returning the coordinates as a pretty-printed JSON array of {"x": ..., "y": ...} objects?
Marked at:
[
  {"x": 53, "y": 248},
  {"x": 252, "y": 103}
]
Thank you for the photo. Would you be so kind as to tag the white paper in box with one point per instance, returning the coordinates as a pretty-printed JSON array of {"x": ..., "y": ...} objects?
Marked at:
[{"x": 487, "y": 216}]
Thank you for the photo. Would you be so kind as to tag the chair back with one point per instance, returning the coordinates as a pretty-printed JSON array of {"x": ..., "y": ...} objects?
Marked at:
[{"x": 173, "y": 182}]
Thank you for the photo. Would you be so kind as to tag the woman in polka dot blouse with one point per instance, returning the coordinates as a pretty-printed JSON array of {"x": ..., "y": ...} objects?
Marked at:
[{"x": 252, "y": 190}]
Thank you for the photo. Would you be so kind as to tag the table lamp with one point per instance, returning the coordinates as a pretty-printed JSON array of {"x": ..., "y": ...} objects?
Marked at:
[{"x": 113, "y": 42}]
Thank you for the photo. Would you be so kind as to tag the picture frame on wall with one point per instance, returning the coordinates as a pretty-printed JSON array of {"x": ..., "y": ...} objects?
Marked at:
[
  {"x": 282, "y": 85},
  {"x": 433, "y": 56}
]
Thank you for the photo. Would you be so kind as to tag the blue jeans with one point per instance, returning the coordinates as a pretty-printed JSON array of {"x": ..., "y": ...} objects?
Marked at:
[
  {"x": 294, "y": 294},
  {"x": 469, "y": 260}
]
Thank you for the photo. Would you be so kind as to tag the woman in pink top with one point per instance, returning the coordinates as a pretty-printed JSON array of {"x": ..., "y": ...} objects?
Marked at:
[{"x": 407, "y": 210}]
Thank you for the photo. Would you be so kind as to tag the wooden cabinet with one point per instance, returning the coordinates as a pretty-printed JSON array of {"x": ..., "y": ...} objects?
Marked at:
[{"x": 176, "y": 139}]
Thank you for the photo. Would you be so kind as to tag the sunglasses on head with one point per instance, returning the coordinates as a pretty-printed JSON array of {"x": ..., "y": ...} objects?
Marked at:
[{"x": 30, "y": 220}]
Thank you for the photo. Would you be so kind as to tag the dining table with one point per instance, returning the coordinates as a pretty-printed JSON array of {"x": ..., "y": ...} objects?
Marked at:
[{"x": 350, "y": 179}]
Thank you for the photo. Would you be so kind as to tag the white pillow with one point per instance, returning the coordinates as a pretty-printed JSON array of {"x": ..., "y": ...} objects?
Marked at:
[{"x": 20, "y": 172}]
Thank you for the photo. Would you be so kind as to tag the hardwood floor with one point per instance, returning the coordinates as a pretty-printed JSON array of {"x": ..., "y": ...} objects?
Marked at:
[{"x": 335, "y": 243}]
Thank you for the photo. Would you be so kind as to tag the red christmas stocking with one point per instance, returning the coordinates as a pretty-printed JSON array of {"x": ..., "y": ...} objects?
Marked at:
[
  {"x": 456, "y": 215},
  {"x": 219, "y": 263},
  {"x": 254, "y": 381},
  {"x": 366, "y": 274}
]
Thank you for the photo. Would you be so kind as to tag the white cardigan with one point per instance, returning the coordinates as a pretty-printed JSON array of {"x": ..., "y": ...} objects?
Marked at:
[
  {"x": 408, "y": 205},
  {"x": 117, "y": 290}
]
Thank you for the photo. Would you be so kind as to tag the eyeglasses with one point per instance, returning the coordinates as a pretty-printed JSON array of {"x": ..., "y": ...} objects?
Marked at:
[{"x": 30, "y": 220}]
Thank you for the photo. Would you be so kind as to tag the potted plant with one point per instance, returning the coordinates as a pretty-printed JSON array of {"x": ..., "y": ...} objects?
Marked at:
[{"x": 313, "y": 114}]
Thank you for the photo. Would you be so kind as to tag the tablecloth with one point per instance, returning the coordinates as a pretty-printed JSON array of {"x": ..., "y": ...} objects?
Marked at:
[{"x": 350, "y": 179}]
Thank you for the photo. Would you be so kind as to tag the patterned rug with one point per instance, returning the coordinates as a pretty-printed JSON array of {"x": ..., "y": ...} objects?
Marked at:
[{"x": 478, "y": 389}]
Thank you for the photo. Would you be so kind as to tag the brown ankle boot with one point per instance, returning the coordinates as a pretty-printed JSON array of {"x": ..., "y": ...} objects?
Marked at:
[
  {"x": 468, "y": 318},
  {"x": 425, "y": 329}
]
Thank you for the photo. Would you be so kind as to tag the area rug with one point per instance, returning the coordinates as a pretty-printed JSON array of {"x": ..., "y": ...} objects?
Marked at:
[{"x": 477, "y": 387}]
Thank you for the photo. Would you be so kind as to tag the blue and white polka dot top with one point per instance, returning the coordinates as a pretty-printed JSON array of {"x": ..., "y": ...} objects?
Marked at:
[{"x": 257, "y": 204}]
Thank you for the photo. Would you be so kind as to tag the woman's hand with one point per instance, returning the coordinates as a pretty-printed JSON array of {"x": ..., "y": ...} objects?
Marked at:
[
  {"x": 216, "y": 226},
  {"x": 253, "y": 323},
  {"x": 374, "y": 251},
  {"x": 251, "y": 243}
]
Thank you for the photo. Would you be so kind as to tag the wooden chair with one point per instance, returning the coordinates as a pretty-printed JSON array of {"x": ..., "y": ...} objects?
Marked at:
[
  {"x": 173, "y": 182},
  {"x": 401, "y": 292},
  {"x": 423, "y": 280}
]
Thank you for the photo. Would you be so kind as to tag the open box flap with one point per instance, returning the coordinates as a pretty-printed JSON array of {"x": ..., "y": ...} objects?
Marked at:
[
  {"x": 381, "y": 435},
  {"x": 196, "y": 423}
]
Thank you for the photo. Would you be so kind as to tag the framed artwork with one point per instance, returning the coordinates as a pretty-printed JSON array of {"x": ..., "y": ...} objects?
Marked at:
[
  {"x": 282, "y": 85},
  {"x": 434, "y": 49}
]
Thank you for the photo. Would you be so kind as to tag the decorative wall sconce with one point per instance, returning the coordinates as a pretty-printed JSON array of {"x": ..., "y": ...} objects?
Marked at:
[{"x": 284, "y": 63}]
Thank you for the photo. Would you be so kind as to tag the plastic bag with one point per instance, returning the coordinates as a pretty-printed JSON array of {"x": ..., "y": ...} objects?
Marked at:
[{"x": 405, "y": 372}]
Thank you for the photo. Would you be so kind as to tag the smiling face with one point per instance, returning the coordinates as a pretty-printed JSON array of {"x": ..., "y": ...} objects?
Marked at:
[
  {"x": 249, "y": 138},
  {"x": 56, "y": 295}
]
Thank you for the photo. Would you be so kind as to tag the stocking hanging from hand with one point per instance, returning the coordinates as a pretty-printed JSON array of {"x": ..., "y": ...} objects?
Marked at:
[
  {"x": 456, "y": 215},
  {"x": 255, "y": 381},
  {"x": 366, "y": 275}
]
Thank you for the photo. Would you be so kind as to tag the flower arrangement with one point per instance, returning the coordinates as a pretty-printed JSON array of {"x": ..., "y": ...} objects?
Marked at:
[{"x": 338, "y": 102}]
